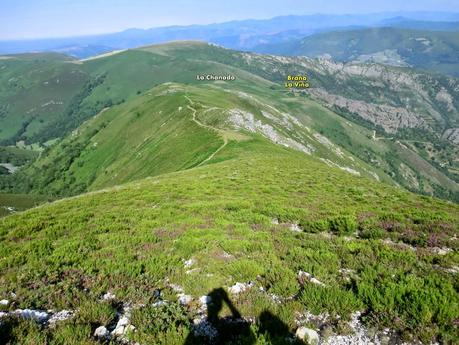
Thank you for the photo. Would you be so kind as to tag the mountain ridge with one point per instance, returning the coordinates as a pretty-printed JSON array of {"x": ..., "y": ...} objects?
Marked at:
[
  {"x": 241, "y": 34},
  {"x": 259, "y": 80}
]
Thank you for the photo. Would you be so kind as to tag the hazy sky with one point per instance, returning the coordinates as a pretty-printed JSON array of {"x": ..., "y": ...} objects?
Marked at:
[{"x": 60, "y": 18}]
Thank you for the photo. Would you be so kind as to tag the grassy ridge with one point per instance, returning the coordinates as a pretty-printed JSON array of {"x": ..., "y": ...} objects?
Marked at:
[
  {"x": 156, "y": 132},
  {"x": 133, "y": 239},
  {"x": 126, "y": 77}
]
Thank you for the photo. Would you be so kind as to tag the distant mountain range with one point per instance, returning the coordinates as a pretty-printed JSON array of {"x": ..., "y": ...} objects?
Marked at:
[
  {"x": 430, "y": 50},
  {"x": 241, "y": 35}
]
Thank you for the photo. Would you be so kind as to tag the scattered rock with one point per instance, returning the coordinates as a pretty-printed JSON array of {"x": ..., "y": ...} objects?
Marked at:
[
  {"x": 346, "y": 271},
  {"x": 39, "y": 316},
  {"x": 275, "y": 298},
  {"x": 360, "y": 336},
  {"x": 176, "y": 288},
  {"x": 108, "y": 296},
  {"x": 4, "y": 302},
  {"x": 295, "y": 228},
  {"x": 118, "y": 331},
  {"x": 129, "y": 329},
  {"x": 441, "y": 251},
  {"x": 123, "y": 321},
  {"x": 203, "y": 328},
  {"x": 189, "y": 263},
  {"x": 454, "y": 269},
  {"x": 185, "y": 300},
  {"x": 122, "y": 326},
  {"x": 319, "y": 321},
  {"x": 102, "y": 332},
  {"x": 304, "y": 277},
  {"x": 159, "y": 303},
  {"x": 239, "y": 287},
  {"x": 204, "y": 301},
  {"x": 310, "y": 336},
  {"x": 60, "y": 316}
]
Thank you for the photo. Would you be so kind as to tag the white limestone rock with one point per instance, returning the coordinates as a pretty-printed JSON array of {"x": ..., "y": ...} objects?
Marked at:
[{"x": 310, "y": 336}]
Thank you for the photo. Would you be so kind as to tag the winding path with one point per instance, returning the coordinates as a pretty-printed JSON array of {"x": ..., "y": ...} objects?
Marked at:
[{"x": 200, "y": 124}]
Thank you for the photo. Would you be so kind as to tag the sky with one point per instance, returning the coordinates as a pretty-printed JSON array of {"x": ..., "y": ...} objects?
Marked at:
[{"x": 21, "y": 19}]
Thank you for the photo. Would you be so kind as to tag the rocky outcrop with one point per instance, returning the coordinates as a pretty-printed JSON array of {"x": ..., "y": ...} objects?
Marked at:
[
  {"x": 452, "y": 135},
  {"x": 388, "y": 117},
  {"x": 241, "y": 119}
]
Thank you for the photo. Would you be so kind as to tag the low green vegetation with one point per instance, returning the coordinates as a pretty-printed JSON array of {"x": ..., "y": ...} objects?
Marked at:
[
  {"x": 17, "y": 156},
  {"x": 280, "y": 208},
  {"x": 375, "y": 248}
]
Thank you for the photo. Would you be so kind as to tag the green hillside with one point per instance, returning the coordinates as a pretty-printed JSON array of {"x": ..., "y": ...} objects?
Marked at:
[
  {"x": 35, "y": 90},
  {"x": 175, "y": 127},
  {"x": 430, "y": 50},
  {"x": 233, "y": 208},
  {"x": 336, "y": 117},
  {"x": 261, "y": 218}
]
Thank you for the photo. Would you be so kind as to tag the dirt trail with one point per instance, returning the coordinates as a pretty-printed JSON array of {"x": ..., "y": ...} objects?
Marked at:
[{"x": 200, "y": 124}]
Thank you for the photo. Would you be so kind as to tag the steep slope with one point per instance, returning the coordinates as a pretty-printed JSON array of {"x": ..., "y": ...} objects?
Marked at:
[
  {"x": 35, "y": 91},
  {"x": 308, "y": 245},
  {"x": 431, "y": 50}
]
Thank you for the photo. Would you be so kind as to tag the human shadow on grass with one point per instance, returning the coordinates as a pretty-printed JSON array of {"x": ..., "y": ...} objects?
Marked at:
[{"x": 233, "y": 329}]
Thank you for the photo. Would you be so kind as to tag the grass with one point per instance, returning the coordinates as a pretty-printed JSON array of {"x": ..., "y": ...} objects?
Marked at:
[
  {"x": 133, "y": 239},
  {"x": 376, "y": 248}
]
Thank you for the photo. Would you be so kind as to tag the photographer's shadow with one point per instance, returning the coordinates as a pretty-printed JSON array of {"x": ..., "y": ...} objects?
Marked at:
[{"x": 233, "y": 329}]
